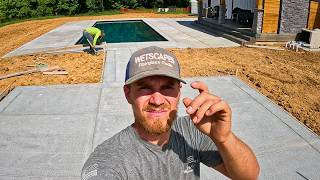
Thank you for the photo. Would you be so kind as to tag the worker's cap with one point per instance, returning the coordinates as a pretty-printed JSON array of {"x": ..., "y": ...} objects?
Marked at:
[{"x": 152, "y": 61}]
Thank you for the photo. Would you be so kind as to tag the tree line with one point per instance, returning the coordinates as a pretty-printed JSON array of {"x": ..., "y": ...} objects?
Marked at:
[{"x": 22, "y": 9}]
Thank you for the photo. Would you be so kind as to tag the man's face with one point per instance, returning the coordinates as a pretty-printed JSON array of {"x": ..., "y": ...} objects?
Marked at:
[{"x": 154, "y": 102}]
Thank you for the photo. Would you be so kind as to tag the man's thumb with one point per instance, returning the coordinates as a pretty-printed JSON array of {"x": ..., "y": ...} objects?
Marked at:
[{"x": 187, "y": 101}]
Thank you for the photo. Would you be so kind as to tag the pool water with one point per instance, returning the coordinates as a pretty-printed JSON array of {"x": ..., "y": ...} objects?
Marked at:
[{"x": 126, "y": 31}]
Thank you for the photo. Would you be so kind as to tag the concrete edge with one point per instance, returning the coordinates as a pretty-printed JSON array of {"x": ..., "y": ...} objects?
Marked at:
[
  {"x": 7, "y": 100},
  {"x": 12, "y": 53},
  {"x": 298, "y": 127},
  {"x": 159, "y": 31},
  {"x": 104, "y": 61}
]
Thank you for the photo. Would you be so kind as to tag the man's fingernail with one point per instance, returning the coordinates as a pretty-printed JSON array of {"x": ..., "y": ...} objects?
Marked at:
[
  {"x": 189, "y": 109},
  {"x": 195, "y": 119}
]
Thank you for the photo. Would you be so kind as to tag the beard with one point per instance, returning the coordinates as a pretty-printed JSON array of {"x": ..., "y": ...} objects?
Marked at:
[{"x": 159, "y": 125}]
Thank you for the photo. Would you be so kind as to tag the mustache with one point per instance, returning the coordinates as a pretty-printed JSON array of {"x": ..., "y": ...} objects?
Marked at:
[{"x": 152, "y": 107}]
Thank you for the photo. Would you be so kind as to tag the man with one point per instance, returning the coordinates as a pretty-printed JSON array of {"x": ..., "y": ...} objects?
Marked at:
[
  {"x": 92, "y": 35},
  {"x": 160, "y": 145}
]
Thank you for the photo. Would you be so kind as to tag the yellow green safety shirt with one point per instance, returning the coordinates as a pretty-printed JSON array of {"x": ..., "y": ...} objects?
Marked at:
[{"x": 95, "y": 33}]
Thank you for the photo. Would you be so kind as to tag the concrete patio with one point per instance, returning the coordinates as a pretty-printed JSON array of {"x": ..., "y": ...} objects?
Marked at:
[{"x": 47, "y": 132}]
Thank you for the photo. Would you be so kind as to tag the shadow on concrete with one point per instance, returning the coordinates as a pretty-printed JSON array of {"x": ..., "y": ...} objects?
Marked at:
[
  {"x": 212, "y": 32},
  {"x": 189, "y": 24}
]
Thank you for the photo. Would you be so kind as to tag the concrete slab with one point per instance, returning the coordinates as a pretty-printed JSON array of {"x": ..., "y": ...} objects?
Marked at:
[
  {"x": 253, "y": 121},
  {"x": 177, "y": 31},
  {"x": 267, "y": 128},
  {"x": 53, "y": 100},
  {"x": 64, "y": 36},
  {"x": 44, "y": 144},
  {"x": 48, "y": 132}
]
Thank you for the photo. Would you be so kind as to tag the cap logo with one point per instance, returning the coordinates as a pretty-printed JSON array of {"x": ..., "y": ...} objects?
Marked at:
[
  {"x": 152, "y": 61},
  {"x": 154, "y": 58}
]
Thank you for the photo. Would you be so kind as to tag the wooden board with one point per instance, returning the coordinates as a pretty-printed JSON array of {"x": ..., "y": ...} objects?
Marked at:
[
  {"x": 314, "y": 15},
  {"x": 271, "y": 16},
  {"x": 44, "y": 69}
]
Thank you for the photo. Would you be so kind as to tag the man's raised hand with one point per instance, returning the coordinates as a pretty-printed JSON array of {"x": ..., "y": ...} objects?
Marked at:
[{"x": 209, "y": 113}]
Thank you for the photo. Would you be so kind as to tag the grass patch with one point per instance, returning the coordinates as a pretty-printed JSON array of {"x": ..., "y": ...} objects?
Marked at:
[{"x": 101, "y": 13}]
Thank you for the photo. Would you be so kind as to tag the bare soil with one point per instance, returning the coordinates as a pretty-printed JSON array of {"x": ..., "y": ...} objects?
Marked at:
[
  {"x": 290, "y": 79},
  {"x": 81, "y": 68}
]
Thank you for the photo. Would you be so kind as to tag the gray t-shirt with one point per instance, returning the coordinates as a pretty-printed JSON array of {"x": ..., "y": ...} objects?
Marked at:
[{"x": 127, "y": 156}]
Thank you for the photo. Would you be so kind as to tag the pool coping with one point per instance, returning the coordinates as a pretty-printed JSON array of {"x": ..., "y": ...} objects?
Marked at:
[{"x": 68, "y": 34}]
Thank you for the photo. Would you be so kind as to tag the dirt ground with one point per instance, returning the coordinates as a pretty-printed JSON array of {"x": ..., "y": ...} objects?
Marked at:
[
  {"x": 81, "y": 68},
  {"x": 290, "y": 79}
]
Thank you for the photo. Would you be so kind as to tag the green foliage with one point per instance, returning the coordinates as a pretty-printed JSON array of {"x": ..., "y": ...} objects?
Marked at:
[
  {"x": 132, "y": 4},
  {"x": 117, "y": 4},
  {"x": 94, "y": 5},
  {"x": 178, "y": 3},
  {"x": 46, "y": 7},
  {"x": 24, "y": 9},
  {"x": 67, "y": 7}
]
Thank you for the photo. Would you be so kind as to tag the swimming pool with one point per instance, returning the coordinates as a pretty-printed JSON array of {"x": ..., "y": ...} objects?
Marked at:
[{"x": 126, "y": 31}]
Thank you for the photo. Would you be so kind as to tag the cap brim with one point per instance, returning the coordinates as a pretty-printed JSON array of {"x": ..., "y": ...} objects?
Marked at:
[{"x": 153, "y": 73}]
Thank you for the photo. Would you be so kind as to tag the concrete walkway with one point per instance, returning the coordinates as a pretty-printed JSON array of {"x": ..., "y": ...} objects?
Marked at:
[
  {"x": 48, "y": 132},
  {"x": 178, "y": 32}
]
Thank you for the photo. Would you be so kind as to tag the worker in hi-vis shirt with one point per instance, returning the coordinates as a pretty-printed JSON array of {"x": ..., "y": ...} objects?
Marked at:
[{"x": 92, "y": 35}]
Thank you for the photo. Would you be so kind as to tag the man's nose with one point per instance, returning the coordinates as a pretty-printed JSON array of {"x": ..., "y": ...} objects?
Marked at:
[{"x": 157, "y": 98}]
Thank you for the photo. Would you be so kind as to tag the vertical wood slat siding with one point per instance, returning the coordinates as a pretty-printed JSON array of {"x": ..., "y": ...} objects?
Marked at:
[
  {"x": 271, "y": 16},
  {"x": 314, "y": 15}
]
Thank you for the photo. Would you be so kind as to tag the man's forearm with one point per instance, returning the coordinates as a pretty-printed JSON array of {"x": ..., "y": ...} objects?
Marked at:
[{"x": 239, "y": 160}]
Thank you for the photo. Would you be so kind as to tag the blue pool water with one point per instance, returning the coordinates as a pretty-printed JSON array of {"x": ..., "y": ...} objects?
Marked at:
[{"x": 126, "y": 31}]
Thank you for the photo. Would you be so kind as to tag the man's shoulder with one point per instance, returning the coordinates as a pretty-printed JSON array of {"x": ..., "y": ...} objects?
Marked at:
[{"x": 115, "y": 149}]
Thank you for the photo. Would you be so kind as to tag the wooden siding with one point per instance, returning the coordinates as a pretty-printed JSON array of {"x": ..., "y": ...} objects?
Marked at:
[
  {"x": 314, "y": 15},
  {"x": 271, "y": 16}
]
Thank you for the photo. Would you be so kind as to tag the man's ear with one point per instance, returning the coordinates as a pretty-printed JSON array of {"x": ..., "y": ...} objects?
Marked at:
[{"x": 126, "y": 89}]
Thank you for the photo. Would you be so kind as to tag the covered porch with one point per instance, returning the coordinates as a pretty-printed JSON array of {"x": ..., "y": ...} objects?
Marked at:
[
  {"x": 236, "y": 12},
  {"x": 262, "y": 20}
]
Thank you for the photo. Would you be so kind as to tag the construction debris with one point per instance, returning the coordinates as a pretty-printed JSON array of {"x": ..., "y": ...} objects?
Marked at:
[
  {"x": 34, "y": 70},
  {"x": 264, "y": 47},
  {"x": 6, "y": 91},
  {"x": 57, "y": 72}
]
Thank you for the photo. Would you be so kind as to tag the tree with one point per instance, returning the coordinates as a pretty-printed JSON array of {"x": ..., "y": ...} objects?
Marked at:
[
  {"x": 67, "y": 7},
  {"x": 94, "y": 5}
]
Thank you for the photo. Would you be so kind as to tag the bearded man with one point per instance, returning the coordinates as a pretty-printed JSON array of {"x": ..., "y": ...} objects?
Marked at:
[{"x": 160, "y": 145}]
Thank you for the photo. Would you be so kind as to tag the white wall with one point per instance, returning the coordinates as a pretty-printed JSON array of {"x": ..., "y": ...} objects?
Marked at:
[
  {"x": 229, "y": 9},
  {"x": 228, "y": 6},
  {"x": 215, "y": 3},
  {"x": 245, "y": 4},
  {"x": 205, "y": 3}
]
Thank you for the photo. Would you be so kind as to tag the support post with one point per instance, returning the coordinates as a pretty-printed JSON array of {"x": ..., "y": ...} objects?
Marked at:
[
  {"x": 258, "y": 17},
  {"x": 222, "y": 12},
  {"x": 200, "y": 9}
]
